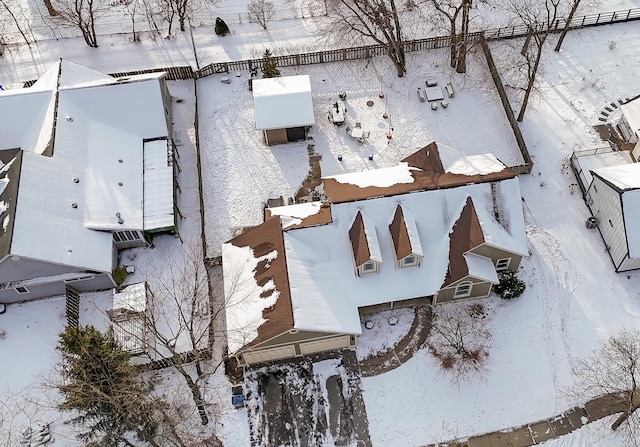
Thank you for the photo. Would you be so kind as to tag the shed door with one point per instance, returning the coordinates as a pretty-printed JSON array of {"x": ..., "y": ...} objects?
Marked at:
[
  {"x": 295, "y": 134},
  {"x": 266, "y": 355},
  {"x": 325, "y": 345}
]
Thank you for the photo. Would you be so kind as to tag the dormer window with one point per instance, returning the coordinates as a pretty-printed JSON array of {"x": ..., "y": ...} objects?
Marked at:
[
  {"x": 364, "y": 242},
  {"x": 404, "y": 235},
  {"x": 409, "y": 261},
  {"x": 369, "y": 267}
]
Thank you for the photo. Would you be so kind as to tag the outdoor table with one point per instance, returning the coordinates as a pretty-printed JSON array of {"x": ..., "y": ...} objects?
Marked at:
[
  {"x": 357, "y": 132},
  {"x": 434, "y": 93}
]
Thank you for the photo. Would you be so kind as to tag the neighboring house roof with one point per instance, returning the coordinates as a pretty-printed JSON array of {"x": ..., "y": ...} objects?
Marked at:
[
  {"x": 283, "y": 102},
  {"x": 631, "y": 112},
  {"x": 321, "y": 286},
  {"x": 625, "y": 180},
  {"x": 84, "y": 163}
]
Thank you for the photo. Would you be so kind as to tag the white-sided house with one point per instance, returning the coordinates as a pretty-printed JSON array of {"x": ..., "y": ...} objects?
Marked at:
[
  {"x": 283, "y": 108},
  {"x": 614, "y": 200},
  {"x": 429, "y": 230},
  {"x": 87, "y": 169},
  {"x": 629, "y": 125}
]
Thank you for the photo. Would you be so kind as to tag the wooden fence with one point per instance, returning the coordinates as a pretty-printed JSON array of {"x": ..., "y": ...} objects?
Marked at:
[
  {"x": 506, "y": 105},
  {"x": 429, "y": 43}
]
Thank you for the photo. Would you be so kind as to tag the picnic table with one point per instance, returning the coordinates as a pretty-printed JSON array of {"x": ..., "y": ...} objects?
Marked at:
[{"x": 434, "y": 93}]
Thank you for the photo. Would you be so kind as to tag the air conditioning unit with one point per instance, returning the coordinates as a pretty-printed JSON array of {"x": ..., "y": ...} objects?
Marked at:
[{"x": 591, "y": 222}]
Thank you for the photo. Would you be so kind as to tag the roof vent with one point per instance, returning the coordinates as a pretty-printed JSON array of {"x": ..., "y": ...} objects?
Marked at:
[
  {"x": 120, "y": 219},
  {"x": 76, "y": 180},
  {"x": 74, "y": 205},
  {"x": 69, "y": 118}
]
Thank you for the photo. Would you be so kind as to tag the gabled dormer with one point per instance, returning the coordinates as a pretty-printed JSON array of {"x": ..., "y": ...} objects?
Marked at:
[
  {"x": 406, "y": 242},
  {"x": 364, "y": 242}
]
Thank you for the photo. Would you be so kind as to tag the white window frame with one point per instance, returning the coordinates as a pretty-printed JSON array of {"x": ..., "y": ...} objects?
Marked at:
[
  {"x": 409, "y": 260},
  {"x": 21, "y": 290},
  {"x": 463, "y": 289},
  {"x": 500, "y": 261},
  {"x": 368, "y": 267}
]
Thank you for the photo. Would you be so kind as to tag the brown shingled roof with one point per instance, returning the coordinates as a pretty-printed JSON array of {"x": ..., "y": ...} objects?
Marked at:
[
  {"x": 359, "y": 243},
  {"x": 263, "y": 239},
  {"x": 323, "y": 216},
  {"x": 465, "y": 235},
  {"x": 428, "y": 175},
  {"x": 400, "y": 235}
]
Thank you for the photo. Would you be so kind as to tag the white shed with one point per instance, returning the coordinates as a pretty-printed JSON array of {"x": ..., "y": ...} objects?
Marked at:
[
  {"x": 128, "y": 317},
  {"x": 283, "y": 108},
  {"x": 629, "y": 125},
  {"x": 614, "y": 200}
]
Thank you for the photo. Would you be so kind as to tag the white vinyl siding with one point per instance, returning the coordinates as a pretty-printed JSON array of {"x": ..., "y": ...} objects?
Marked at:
[
  {"x": 325, "y": 345},
  {"x": 607, "y": 208}
]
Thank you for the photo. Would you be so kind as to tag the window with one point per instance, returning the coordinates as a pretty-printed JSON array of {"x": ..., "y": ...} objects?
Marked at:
[
  {"x": 22, "y": 290},
  {"x": 409, "y": 260},
  {"x": 368, "y": 267},
  {"x": 463, "y": 289},
  {"x": 503, "y": 264}
]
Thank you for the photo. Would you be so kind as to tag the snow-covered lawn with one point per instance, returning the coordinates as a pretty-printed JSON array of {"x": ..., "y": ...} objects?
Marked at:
[{"x": 573, "y": 300}]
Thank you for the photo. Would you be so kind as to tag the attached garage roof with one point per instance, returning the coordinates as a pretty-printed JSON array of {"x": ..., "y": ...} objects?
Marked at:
[{"x": 280, "y": 103}]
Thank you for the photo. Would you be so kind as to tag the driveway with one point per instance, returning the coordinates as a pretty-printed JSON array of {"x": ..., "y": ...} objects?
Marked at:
[{"x": 308, "y": 402}]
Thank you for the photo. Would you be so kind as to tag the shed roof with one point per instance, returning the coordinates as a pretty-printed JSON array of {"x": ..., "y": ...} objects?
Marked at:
[{"x": 283, "y": 102}]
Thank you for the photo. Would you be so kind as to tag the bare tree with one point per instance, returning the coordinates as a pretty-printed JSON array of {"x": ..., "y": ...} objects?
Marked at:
[
  {"x": 132, "y": 11},
  {"x": 540, "y": 18},
  {"x": 261, "y": 12},
  {"x": 179, "y": 318},
  {"x": 460, "y": 339},
  {"x": 453, "y": 10},
  {"x": 370, "y": 20},
  {"x": 614, "y": 371},
  {"x": 9, "y": 11},
  {"x": 81, "y": 14}
]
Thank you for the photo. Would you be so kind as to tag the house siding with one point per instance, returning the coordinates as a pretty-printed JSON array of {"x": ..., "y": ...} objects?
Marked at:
[
  {"x": 422, "y": 301},
  {"x": 495, "y": 253},
  {"x": 49, "y": 289},
  {"x": 275, "y": 136},
  {"x": 480, "y": 289},
  {"x": 277, "y": 347},
  {"x": 605, "y": 204},
  {"x": 22, "y": 268}
]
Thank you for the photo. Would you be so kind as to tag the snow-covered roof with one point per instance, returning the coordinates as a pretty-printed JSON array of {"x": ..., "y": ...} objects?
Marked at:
[
  {"x": 319, "y": 279},
  {"x": 132, "y": 298},
  {"x": 325, "y": 292},
  {"x": 94, "y": 168},
  {"x": 283, "y": 102},
  {"x": 631, "y": 112},
  {"x": 624, "y": 177},
  {"x": 381, "y": 178}
]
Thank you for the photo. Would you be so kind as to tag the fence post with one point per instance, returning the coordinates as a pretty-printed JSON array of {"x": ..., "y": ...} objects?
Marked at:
[{"x": 598, "y": 19}]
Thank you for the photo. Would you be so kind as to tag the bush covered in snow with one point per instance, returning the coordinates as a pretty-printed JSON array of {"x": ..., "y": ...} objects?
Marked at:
[{"x": 510, "y": 285}]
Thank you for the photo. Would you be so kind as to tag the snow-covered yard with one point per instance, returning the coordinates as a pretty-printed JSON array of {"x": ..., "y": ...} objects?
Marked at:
[{"x": 573, "y": 300}]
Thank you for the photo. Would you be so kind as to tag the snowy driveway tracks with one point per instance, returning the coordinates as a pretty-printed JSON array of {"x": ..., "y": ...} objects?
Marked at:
[{"x": 306, "y": 403}]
